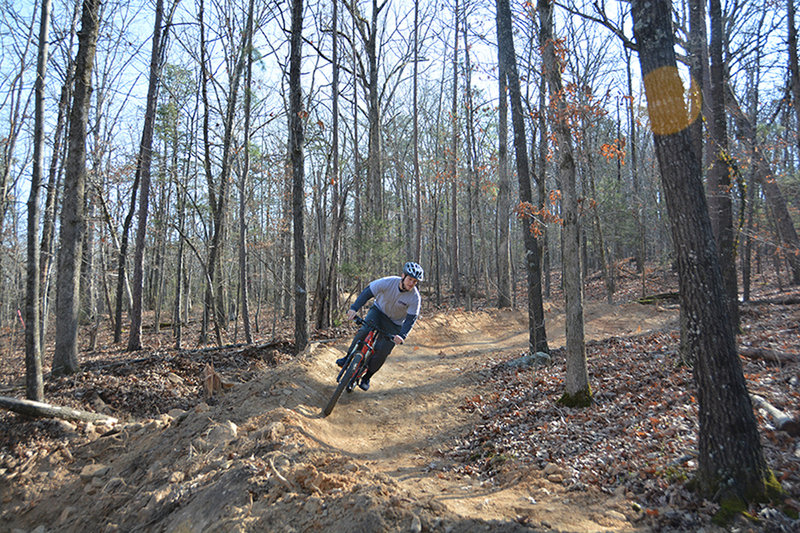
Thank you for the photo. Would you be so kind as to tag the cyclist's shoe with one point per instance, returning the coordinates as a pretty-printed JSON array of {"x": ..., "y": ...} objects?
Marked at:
[
  {"x": 364, "y": 384},
  {"x": 341, "y": 361}
]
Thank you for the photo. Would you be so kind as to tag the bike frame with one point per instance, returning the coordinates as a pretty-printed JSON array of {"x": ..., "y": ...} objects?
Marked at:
[
  {"x": 356, "y": 364},
  {"x": 366, "y": 348}
]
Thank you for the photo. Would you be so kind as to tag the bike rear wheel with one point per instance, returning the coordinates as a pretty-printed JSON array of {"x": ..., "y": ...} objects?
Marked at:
[{"x": 352, "y": 368}]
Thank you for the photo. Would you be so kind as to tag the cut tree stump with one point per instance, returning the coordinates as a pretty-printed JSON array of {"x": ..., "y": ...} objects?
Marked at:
[
  {"x": 782, "y": 421},
  {"x": 46, "y": 410}
]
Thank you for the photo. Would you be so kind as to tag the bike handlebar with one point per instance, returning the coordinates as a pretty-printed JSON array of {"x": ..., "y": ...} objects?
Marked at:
[{"x": 360, "y": 321}]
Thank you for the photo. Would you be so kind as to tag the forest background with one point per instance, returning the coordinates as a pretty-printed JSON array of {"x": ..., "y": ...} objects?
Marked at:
[{"x": 197, "y": 170}]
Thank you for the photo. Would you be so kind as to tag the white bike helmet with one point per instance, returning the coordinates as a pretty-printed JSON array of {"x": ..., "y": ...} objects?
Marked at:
[{"x": 414, "y": 270}]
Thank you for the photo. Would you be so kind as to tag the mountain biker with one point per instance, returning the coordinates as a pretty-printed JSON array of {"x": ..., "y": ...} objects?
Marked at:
[{"x": 396, "y": 308}]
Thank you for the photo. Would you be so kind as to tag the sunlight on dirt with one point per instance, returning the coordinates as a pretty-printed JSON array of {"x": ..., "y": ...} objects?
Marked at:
[{"x": 261, "y": 456}]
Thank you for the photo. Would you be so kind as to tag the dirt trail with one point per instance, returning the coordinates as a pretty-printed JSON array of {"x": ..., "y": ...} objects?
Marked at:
[
  {"x": 411, "y": 412},
  {"x": 263, "y": 459}
]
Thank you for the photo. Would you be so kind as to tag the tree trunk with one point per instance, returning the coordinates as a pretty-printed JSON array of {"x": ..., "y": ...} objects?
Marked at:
[
  {"x": 243, "y": 187},
  {"x": 34, "y": 385},
  {"x": 54, "y": 185},
  {"x": 296, "y": 141},
  {"x": 541, "y": 178},
  {"x": 143, "y": 169},
  {"x": 472, "y": 162},
  {"x": 772, "y": 192},
  {"x": 339, "y": 193},
  {"x": 454, "y": 240},
  {"x": 731, "y": 462},
  {"x": 503, "y": 202},
  {"x": 65, "y": 357},
  {"x": 417, "y": 188},
  {"x": 577, "y": 389},
  {"x": 794, "y": 70},
  {"x": 719, "y": 176},
  {"x": 180, "y": 265},
  {"x": 46, "y": 410},
  {"x": 508, "y": 67}
]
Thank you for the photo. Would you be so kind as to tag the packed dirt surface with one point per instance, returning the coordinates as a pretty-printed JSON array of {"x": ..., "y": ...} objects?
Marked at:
[{"x": 260, "y": 457}]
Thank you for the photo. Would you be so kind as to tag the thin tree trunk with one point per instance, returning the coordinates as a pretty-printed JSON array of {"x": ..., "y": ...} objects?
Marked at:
[
  {"x": 472, "y": 184},
  {"x": 243, "y": 269},
  {"x": 179, "y": 260},
  {"x": 208, "y": 299},
  {"x": 143, "y": 169},
  {"x": 339, "y": 194},
  {"x": 417, "y": 187},
  {"x": 541, "y": 178},
  {"x": 508, "y": 68},
  {"x": 65, "y": 357},
  {"x": 454, "y": 239},
  {"x": 34, "y": 384},
  {"x": 296, "y": 141},
  {"x": 719, "y": 179},
  {"x": 503, "y": 202},
  {"x": 577, "y": 389}
]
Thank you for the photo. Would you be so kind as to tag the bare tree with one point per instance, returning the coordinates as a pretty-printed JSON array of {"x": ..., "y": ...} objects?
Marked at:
[
  {"x": 719, "y": 176},
  {"x": 508, "y": 68},
  {"x": 731, "y": 465},
  {"x": 143, "y": 163},
  {"x": 243, "y": 180},
  {"x": 65, "y": 357},
  {"x": 296, "y": 141},
  {"x": 577, "y": 389},
  {"x": 34, "y": 386},
  {"x": 454, "y": 143},
  {"x": 503, "y": 201},
  {"x": 414, "y": 112}
]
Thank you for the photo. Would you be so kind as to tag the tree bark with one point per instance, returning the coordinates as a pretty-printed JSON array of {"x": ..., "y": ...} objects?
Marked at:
[
  {"x": 719, "y": 176},
  {"x": 472, "y": 163},
  {"x": 577, "y": 387},
  {"x": 730, "y": 463},
  {"x": 65, "y": 357},
  {"x": 417, "y": 187},
  {"x": 296, "y": 141},
  {"x": 34, "y": 384},
  {"x": 794, "y": 69},
  {"x": 508, "y": 67},
  {"x": 772, "y": 191},
  {"x": 143, "y": 164},
  {"x": 46, "y": 410},
  {"x": 454, "y": 238},
  {"x": 243, "y": 186},
  {"x": 503, "y": 201}
]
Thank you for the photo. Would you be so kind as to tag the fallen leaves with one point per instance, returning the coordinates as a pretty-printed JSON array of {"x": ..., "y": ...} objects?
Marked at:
[{"x": 640, "y": 434}]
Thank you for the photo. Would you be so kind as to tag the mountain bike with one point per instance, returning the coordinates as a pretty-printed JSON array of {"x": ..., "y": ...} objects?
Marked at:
[{"x": 356, "y": 364}]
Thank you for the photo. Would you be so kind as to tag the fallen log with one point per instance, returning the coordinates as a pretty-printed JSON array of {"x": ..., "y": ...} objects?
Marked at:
[
  {"x": 781, "y": 420},
  {"x": 46, "y": 410},
  {"x": 666, "y": 297},
  {"x": 768, "y": 355}
]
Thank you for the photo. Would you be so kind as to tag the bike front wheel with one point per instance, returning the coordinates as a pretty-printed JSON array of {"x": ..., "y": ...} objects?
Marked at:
[{"x": 351, "y": 370}]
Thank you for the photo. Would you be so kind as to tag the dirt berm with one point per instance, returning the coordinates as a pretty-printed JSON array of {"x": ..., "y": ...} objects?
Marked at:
[{"x": 261, "y": 458}]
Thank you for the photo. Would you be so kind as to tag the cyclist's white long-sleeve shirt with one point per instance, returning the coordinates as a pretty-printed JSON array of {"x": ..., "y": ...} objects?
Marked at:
[{"x": 402, "y": 307}]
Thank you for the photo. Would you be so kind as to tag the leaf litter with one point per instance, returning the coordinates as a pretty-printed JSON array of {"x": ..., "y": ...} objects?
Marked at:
[{"x": 636, "y": 442}]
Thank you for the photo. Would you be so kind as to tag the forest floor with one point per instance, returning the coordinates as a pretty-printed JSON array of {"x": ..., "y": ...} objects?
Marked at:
[{"x": 451, "y": 437}]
